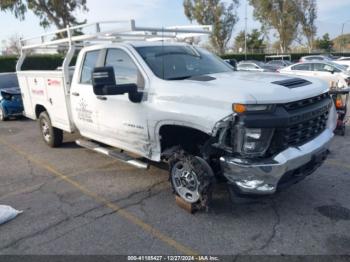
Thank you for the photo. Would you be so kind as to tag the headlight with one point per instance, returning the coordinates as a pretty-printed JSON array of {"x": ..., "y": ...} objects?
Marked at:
[
  {"x": 240, "y": 108},
  {"x": 347, "y": 80},
  {"x": 253, "y": 142}
]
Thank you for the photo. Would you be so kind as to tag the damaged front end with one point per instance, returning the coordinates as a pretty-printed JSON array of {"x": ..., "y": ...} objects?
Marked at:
[{"x": 265, "y": 150}]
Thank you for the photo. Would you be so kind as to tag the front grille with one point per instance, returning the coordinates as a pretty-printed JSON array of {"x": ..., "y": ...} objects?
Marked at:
[
  {"x": 302, "y": 132},
  {"x": 305, "y": 102}
]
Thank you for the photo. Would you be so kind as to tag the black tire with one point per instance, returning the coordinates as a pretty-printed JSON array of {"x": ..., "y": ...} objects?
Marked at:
[
  {"x": 2, "y": 115},
  {"x": 52, "y": 136},
  {"x": 200, "y": 180},
  {"x": 343, "y": 131}
]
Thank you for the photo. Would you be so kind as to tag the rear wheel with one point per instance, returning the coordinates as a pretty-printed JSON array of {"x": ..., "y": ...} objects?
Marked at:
[
  {"x": 52, "y": 136},
  {"x": 2, "y": 115},
  {"x": 191, "y": 178}
]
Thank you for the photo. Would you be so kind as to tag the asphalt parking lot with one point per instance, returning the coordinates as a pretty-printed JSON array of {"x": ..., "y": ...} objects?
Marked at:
[{"x": 79, "y": 202}]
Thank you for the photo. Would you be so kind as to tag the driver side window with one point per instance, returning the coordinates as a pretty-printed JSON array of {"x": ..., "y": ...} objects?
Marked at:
[
  {"x": 89, "y": 64},
  {"x": 125, "y": 70}
]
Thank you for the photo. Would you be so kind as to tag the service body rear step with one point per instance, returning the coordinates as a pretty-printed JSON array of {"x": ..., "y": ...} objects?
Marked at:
[{"x": 123, "y": 157}]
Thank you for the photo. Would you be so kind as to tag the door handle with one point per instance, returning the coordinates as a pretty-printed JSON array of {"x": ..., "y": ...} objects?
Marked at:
[
  {"x": 103, "y": 98},
  {"x": 75, "y": 94}
]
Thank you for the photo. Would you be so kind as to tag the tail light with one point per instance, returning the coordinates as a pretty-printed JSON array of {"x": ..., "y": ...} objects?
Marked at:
[{"x": 348, "y": 81}]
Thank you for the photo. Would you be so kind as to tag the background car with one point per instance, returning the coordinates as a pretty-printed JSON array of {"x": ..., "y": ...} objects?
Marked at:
[
  {"x": 256, "y": 66},
  {"x": 10, "y": 97},
  {"x": 316, "y": 58},
  {"x": 345, "y": 61},
  {"x": 279, "y": 63},
  {"x": 326, "y": 70}
]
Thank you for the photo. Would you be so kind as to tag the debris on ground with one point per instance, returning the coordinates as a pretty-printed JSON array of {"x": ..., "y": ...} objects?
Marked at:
[{"x": 8, "y": 213}]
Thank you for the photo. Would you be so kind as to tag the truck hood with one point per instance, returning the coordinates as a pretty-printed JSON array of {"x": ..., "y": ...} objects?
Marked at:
[{"x": 241, "y": 87}]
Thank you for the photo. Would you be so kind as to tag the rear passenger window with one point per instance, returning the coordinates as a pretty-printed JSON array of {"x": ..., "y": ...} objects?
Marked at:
[
  {"x": 320, "y": 67},
  {"x": 302, "y": 67},
  {"x": 89, "y": 64}
]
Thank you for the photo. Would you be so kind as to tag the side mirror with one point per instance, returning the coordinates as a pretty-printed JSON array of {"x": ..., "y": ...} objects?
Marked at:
[{"x": 104, "y": 84}]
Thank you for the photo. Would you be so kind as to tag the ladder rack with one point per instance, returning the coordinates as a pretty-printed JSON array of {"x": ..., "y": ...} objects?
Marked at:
[{"x": 118, "y": 31}]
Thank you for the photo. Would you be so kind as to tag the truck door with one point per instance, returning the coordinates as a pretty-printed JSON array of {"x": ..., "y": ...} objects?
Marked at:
[
  {"x": 83, "y": 99},
  {"x": 122, "y": 122}
]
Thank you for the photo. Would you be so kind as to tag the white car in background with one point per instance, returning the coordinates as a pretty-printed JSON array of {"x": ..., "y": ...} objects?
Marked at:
[
  {"x": 345, "y": 61},
  {"x": 333, "y": 73},
  {"x": 315, "y": 58}
]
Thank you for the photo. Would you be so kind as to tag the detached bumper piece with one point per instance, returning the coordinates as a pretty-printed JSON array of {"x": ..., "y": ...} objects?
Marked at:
[{"x": 286, "y": 168}]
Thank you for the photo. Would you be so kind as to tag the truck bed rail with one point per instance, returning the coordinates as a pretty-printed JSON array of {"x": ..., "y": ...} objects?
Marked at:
[{"x": 111, "y": 31}]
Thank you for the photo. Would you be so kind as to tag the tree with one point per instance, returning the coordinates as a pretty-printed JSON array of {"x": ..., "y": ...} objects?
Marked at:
[
  {"x": 255, "y": 41},
  {"x": 12, "y": 46},
  {"x": 307, "y": 12},
  {"x": 282, "y": 15},
  {"x": 222, "y": 16},
  {"x": 341, "y": 42},
  {"x": 239, "y": 41},
  {"x": 57, "y": 12},
  {"x": 324, "y": 43}
]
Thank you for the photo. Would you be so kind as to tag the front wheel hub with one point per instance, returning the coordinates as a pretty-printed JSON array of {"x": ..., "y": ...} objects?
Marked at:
[
  {"x": 45, "y": 129},
  {"x": 185, "y": 182}
]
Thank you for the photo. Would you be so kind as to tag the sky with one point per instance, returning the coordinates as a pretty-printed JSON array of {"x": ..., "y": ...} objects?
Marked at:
[{"x": 331, "y": 15}]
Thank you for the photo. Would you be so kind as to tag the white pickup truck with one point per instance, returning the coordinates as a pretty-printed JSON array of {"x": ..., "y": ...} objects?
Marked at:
[{"x": 174, "y": 102}]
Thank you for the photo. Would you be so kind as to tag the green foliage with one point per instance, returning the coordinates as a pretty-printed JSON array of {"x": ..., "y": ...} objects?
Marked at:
[
  {"x": 7, "y": 64},
  {"x": 239, "y": 41},
  {"x": 61, "y": 13},
  {"x": 282, "y": 15},
  {"x": 42, "y": 62},
  {"x": 222, "y": 16},
  {"x": 307, "y": 15},
  {"x": 255, "y": 41},
  {"x": 324, "y": 43},
  {"x": 342, "y": 41}
]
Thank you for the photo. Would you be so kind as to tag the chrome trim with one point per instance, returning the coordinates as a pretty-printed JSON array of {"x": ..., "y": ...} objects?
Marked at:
[{"x": 262, "y": 177}]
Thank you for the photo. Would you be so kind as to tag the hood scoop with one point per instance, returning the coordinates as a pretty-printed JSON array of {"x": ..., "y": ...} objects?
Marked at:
[
  {"x": 202, "y": 78},
  {"x": 293, "y": 82}
]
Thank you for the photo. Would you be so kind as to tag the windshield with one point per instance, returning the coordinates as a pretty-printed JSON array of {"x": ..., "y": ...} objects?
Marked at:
[
  {"x": 181, "y": 62},
  {"x": 338, "y": 66}
]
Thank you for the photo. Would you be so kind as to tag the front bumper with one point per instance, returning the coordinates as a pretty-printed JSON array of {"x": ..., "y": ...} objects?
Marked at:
[{"x": 264, "y": 177}]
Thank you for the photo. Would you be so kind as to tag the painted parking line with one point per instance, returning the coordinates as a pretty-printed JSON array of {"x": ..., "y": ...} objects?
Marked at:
[
  {"x": 27, "y": 189},
  {"x": 338, "y": 164},
  {"x": 117, "y": 209}
]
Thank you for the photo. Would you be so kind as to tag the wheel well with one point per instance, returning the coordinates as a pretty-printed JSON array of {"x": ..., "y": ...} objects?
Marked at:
[
  {"x": 38, "y": 110},
  {"x": 189, "y": 139}
]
